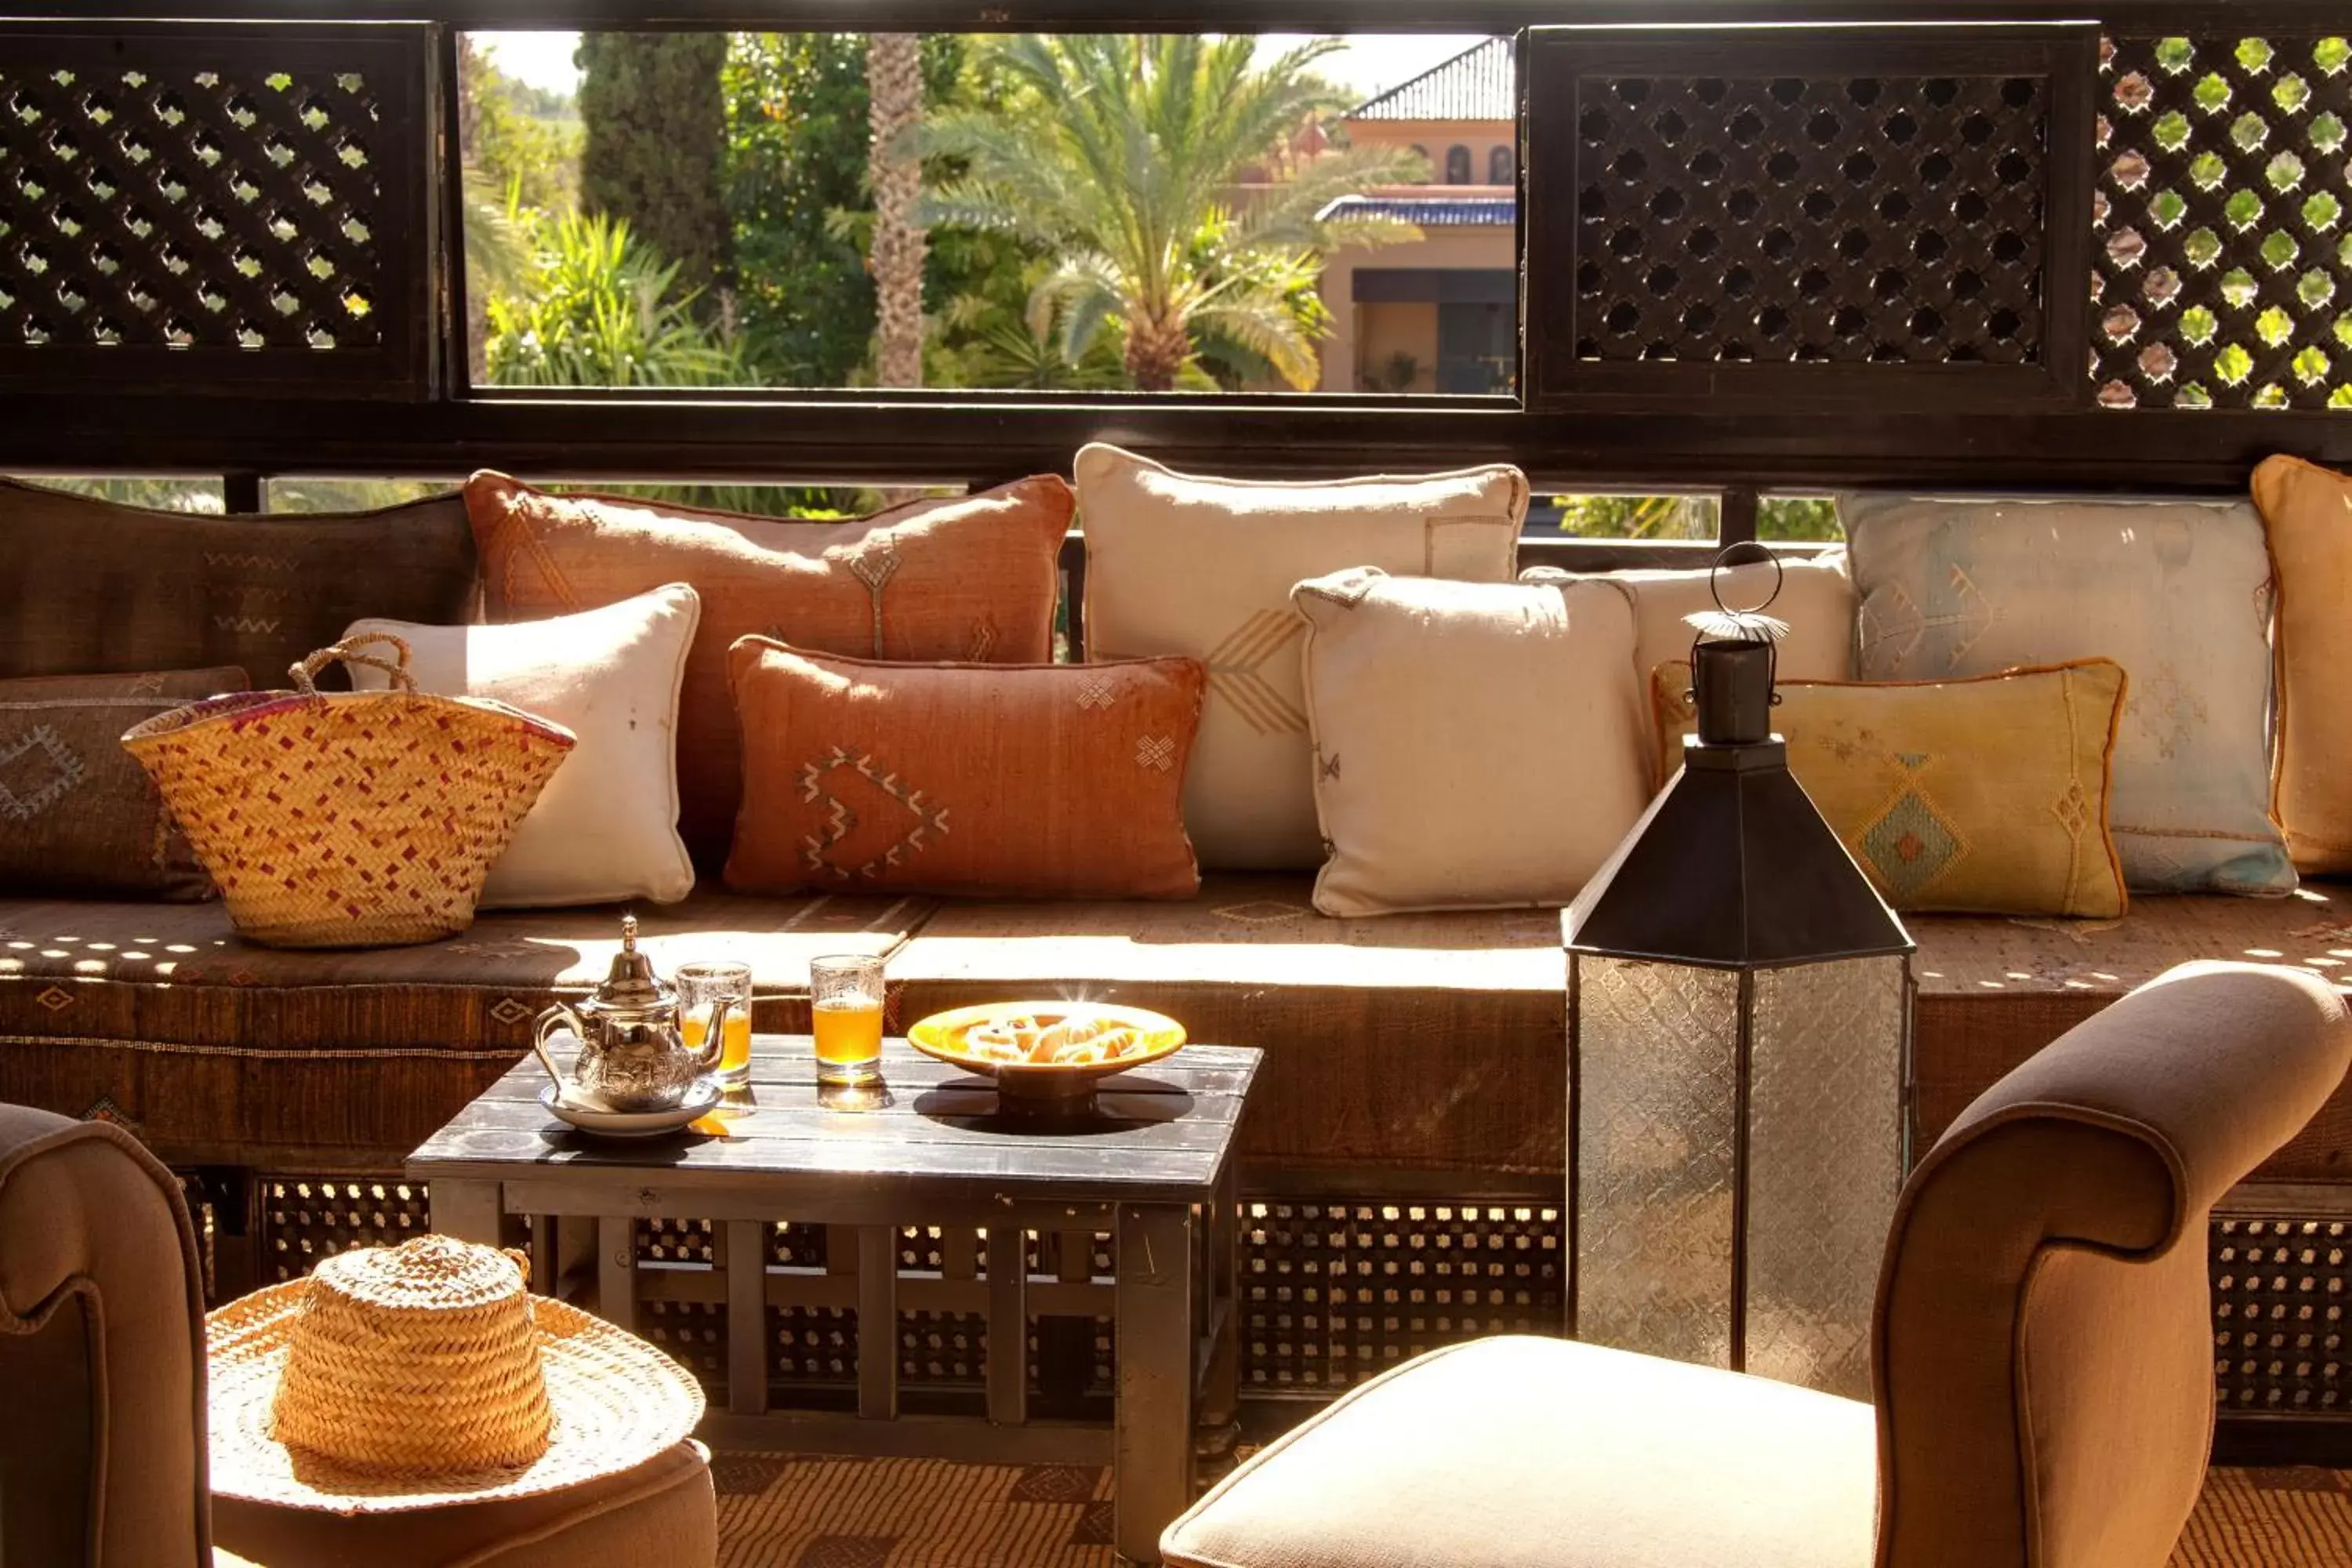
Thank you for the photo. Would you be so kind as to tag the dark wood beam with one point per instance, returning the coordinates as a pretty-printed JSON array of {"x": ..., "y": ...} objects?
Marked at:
[
  {"x": 870, "y": 440},
  {"x": 1210, "y": 16}
]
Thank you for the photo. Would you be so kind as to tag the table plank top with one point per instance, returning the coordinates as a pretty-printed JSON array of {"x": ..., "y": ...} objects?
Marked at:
[{"x": 1162, "y": 1132}]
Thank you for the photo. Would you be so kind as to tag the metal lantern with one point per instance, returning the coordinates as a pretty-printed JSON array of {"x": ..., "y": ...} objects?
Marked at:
[{"x": 1740, "y": 1009}]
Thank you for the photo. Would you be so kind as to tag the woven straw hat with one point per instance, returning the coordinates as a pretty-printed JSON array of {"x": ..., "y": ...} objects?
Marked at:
[{"x": 424, "y": 1374}]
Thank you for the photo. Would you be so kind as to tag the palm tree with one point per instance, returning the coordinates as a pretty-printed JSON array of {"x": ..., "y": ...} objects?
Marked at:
[
  {"x": 1119, "y": 157},
  {"x": 893, "y": 82}
]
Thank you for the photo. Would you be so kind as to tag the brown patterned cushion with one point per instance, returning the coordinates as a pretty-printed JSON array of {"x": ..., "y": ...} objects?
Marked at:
[
  {"x": 976, "y": 577},
  {"x": 91, "y": 587},
  {"x": 77, "y": 815},
  {"x": 1043, "y": 781}
]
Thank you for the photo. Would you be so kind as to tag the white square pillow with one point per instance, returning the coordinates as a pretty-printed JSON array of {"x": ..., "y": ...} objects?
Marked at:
[
  {"x": 2179, "y": 593},
  {"x": 1814, "y": 597},
  {"x": 1474, "y": 743},
  {"x": 605, "y": 828},
  {"x": 1179, "y": 563}
]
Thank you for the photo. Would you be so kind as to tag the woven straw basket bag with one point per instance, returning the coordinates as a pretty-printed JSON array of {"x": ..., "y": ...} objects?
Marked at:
[{"x": 348, "y": 819}]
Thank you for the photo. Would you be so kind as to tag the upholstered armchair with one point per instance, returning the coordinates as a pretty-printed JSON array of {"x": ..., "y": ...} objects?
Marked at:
[
  {"x": 103, "y": 1359},
  {"x": 2042, "y": 1354}
]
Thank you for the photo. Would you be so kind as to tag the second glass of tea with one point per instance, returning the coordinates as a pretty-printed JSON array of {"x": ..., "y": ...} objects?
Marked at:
[
  {"x": 704, "y": 989},
  {"x": 846, "y": 1001}
]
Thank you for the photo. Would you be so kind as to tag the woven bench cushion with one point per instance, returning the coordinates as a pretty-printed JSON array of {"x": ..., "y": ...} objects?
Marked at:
[
  {"x": 1992, "y": 992},
  {"x": 1421, "y": 1042},
  {"x": 213, "y": 1048}
]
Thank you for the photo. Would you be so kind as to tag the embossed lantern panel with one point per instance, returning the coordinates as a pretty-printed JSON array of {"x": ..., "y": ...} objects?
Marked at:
[
  {"x": 1828, "y": 214},
  {"x": 216, "y": 207},
  {"x": 1739, "y": 1033}
]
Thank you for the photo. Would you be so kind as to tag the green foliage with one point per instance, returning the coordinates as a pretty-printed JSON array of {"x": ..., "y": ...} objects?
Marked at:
[
  {"x": 525, "y": 140},
  {"x": 1117, "y": 157},
  {"x": 795, "y": 107},
  {"x": 164, "y": 495},
  {"x": 301, "y": 495},
  {"x": 795, "y": 189},
  {"x": 1638, "y": 517},
  {"x": 800, "y": 502},
  {"x": 1798, "y": 518},
  {"x": 1783, "y": 519},
  {"x": 601, "y": 309},
  {"x": 653, "y": 143}
]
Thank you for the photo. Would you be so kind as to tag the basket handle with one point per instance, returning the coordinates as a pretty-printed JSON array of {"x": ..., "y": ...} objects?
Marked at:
[{"x": 347, "y": 652}]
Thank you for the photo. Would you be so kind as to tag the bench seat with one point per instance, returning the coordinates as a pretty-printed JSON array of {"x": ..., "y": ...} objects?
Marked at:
[
  {"x": 218, "y": 1051},
  {"x": 1431, "y": 1045},
  {"x": 1992, "y": 992}
]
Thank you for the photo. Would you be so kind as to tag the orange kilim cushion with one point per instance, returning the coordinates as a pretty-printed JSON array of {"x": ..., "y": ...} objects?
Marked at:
[{"x": 1042, "y": 781}]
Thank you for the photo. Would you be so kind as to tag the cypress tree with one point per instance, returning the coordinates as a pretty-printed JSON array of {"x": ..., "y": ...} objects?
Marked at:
[{"x": 655, "y": 121}]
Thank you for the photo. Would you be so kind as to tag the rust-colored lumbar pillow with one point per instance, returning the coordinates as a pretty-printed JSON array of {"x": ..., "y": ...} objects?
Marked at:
[
  {"x": 2308, "y": 512},
  {"x": 1042, "y": 780},
  {"x": 973, "y": 578},
  {"x": 91, "y": 587},
  {"x": 79, "y": 817}
]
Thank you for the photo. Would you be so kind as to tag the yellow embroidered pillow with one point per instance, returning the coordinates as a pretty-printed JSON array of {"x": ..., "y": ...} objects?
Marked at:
[{"x": 1982, "y": 796}]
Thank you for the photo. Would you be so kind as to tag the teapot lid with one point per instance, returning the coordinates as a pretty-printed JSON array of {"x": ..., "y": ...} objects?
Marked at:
[{"x": 630, "y": 983}]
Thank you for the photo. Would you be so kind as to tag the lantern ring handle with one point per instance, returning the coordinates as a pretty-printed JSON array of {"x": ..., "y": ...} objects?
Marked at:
[{"x": 1723, "y": 560}]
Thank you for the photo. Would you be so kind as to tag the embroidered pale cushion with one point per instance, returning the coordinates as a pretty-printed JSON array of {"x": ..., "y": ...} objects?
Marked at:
[
  {"x": 1040, "y": 781},
  {"x": 605, "y": 828},
  {"x": 1181, "y": 564},
  {"x": 79, "y": 818},
  {"x": 1982, "y": 796},
  {"x": 2308, "y": 510},
  {"x": 1814, "y": 598},
  {"x": 2176, "y": 591},
  {"x": 973, "y": 578},
  {"x": 1476, "y": 743}
]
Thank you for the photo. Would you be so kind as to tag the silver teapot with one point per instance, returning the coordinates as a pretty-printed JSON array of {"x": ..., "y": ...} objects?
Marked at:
[{"x": 632, "y": 1056}]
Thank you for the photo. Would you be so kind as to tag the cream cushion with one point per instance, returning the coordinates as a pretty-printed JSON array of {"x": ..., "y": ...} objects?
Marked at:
[
  {"x": 1177, "y": 563},
  {"x": 1815, "y": 598},
  {"x": 605, "y": 828},
  {"x": 2179, "y": 593},
  {"x": 1518, "y": 1452},
  {"x": 1477, "y": 745}
]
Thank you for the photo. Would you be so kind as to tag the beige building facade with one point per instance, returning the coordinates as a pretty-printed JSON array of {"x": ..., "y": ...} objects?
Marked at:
[{"x": 1439, "y": 313}]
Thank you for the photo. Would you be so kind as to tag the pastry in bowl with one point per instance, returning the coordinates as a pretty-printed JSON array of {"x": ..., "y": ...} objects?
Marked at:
[{"x": 1048, "y": 1049}]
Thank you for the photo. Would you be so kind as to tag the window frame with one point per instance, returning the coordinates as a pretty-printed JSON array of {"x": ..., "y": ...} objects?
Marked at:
[{"x": 870, "y": 436}]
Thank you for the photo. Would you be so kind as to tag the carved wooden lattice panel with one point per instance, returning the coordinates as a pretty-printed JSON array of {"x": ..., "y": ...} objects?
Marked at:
[
  {"x": 1335, "y": 1293},
  {"x": 192, "y": 208},
  {"x": 1828, "y": 213},
  {"x": 1879, "y": 219},
  {"x": 306, "y": 1219},
  {"x": 2222, "y": 274},
  {"x": 2281, "y": 1286}
]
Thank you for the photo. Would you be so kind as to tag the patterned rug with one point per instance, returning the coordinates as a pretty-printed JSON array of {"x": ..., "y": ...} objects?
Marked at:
[{"x": 778, "y": 1511}]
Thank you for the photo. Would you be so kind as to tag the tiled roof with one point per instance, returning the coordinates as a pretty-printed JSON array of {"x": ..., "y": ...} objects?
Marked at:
[
  {"x": 1428, "y": 212},
  {"x": 1478, "y": 84}
]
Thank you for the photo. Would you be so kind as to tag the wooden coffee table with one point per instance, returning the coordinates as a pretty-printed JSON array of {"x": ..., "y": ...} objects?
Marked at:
[{"x": 1156, "y": 1170}]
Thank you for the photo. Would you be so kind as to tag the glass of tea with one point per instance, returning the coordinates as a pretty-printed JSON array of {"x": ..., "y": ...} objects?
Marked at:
[
  {"x": 845, "y": 999},
  {"x": 704, "y": 989}
]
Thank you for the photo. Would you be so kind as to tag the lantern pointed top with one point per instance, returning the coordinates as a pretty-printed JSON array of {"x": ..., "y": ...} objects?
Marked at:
[{"x": 1732, "y": 868}]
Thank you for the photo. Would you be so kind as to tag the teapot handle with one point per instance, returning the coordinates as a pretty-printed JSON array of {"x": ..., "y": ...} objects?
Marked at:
[
  {"x": 714, "y": 1044},
  {"x": 562, "y": 1013}
]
